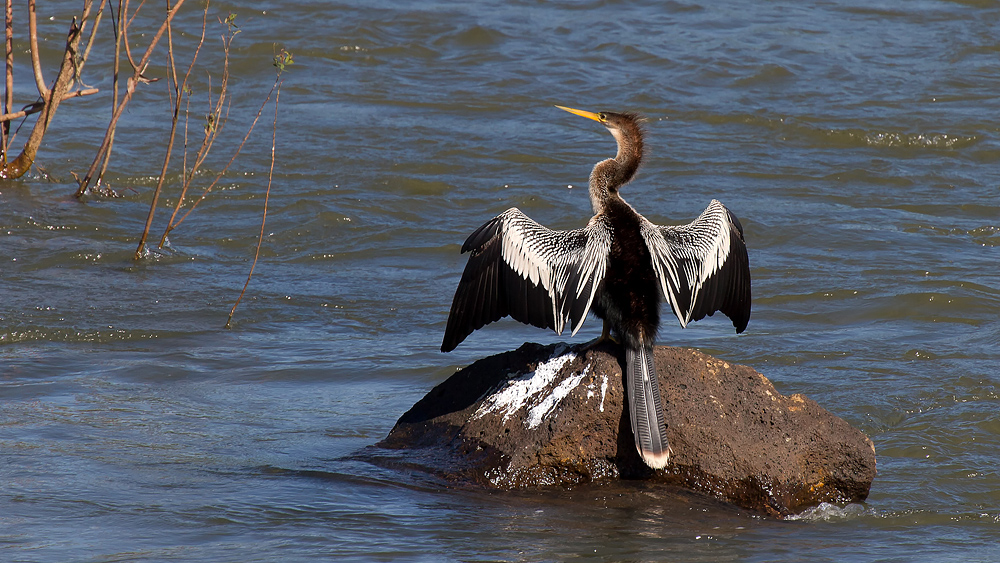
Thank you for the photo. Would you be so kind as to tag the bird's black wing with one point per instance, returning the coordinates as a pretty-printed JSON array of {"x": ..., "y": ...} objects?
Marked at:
[
  {"x": 536, "y": 275},
  {"x": 703, "y": 266}
]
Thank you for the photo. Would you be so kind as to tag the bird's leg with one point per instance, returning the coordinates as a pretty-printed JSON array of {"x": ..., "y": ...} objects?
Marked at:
[
  {"x": 605, "y": 333},
  {"x": 605, "y": 337}
]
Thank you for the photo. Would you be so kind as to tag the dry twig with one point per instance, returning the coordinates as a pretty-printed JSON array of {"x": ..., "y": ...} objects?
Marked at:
[
  {"x": 8, "y": 99},
  {"x": 215, "y": 122},
  {"x": 280, "y": 61},
  {"x": 178, "y": 95},
  {"x": 133, "y": 81},
  {"x": 263, "y": 218},
  {"x": 52, "y": 97}
]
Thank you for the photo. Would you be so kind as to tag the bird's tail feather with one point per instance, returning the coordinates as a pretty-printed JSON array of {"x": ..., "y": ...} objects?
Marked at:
[{"x": 646, "y": 407}]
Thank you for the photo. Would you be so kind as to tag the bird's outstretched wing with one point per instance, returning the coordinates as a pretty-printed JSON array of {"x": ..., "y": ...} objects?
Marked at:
[
  {"x": 703, "y": 266},
  {"x": 536, "y": 275}
]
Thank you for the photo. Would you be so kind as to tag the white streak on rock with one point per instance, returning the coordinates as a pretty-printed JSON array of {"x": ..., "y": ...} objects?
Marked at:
[
  {"x": 539, "y": 412},
  {"x": 518, "y": 393},
  {"x": 604, "y": 390}
]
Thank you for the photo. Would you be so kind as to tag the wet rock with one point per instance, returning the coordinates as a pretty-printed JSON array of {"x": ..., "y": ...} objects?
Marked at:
[{"x": 555, "y": 415}]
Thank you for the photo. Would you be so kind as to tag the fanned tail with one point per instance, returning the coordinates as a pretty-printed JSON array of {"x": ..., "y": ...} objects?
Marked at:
[{"x": 645, "y": 406}]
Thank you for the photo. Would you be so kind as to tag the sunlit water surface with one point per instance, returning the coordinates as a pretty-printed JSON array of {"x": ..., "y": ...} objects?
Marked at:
[{"x": 857, "y": 142}]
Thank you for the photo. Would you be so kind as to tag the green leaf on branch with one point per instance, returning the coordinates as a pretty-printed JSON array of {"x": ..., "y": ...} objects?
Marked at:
[{"x": 282, "y": 59}]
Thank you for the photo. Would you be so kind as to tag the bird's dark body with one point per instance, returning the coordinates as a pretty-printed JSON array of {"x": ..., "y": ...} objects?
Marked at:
[{"x": 629, "y": 298}]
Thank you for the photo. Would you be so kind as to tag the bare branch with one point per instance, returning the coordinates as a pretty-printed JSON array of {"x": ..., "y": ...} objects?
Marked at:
[
  {"x": 128, "y": 24},
  {"x": 281, "y": 60},
  {"x": 129, "y": 90},
  {"x": 134, "y": 14},
  {"x": 38, "y": 106},
  {"x": 267, "y": 195},
  {"x": 64, "y": 79},
  {"x": 36, "y": 64},
  {"x": 90, "y": 43},
  {"x": 8, "y": 99},
  {"x": 219, "y": 176},
  {"x": 187, "y": 177},
  {"x": 172, "y": 75},
  {"x": 119, "y": 34}
]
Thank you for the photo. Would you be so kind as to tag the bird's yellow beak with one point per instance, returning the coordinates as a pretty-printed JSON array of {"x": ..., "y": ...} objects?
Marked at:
[{"x": 580, "y": 112}]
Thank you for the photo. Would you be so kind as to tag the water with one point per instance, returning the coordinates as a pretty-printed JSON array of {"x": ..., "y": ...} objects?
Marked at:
[{"x": 856, "y": 141}]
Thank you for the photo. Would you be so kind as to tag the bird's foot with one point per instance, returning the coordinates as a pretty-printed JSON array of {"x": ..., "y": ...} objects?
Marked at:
[
  {"x": 598, "y": 341},
  {"x": 605, "y": 337}
]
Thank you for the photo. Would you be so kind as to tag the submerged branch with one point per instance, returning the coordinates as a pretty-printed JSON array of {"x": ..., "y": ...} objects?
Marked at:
[
  {"x": 267, "y": 195},
  {"x": 64, "y": 79},
  {"x": 177, "y": 94}
]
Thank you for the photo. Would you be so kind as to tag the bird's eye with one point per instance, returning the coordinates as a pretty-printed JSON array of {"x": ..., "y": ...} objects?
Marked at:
[{"x": 603, "y": 116}]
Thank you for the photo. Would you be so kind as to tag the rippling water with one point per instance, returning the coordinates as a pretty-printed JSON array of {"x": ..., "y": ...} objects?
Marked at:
[{"x": 857, "y": 142}]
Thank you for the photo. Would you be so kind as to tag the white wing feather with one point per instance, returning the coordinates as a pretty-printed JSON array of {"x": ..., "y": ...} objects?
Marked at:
[
  {"x": 686, "y": 256},
  {"x": 518, "y": 266},
  {"x": 550, "y": 258}
]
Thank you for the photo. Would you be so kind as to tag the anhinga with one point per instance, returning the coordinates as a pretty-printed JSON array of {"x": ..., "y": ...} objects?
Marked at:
[{"x": 620, "y": 266}]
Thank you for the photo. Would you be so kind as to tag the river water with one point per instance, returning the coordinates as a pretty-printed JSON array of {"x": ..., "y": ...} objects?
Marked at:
[{"x": 858, "y": 142}]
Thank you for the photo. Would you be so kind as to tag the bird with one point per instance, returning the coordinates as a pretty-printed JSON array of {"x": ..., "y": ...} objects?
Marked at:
[{"x": 620, "y": 266}]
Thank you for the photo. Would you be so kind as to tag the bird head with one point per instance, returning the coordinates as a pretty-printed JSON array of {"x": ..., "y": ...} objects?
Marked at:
[
  {"x": 619, "y": 124},
  {"x": 628, "y": 133}
]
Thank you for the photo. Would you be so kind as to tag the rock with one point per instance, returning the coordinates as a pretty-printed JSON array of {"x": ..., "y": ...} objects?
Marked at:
[{"x": 555, "y": 415}]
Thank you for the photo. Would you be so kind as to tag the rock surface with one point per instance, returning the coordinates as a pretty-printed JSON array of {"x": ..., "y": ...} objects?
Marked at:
[{"x": 555, "y": 415}]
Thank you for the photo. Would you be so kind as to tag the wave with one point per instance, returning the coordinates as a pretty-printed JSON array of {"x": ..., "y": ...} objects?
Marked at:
[{"x": 792, "y": 129}]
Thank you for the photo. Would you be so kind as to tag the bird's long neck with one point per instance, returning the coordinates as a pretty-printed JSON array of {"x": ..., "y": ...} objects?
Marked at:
[{"x": 609, "y": 175}]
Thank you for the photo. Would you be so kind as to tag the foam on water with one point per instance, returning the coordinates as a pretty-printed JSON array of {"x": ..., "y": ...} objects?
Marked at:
[{"x": 826, "y": 512}]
